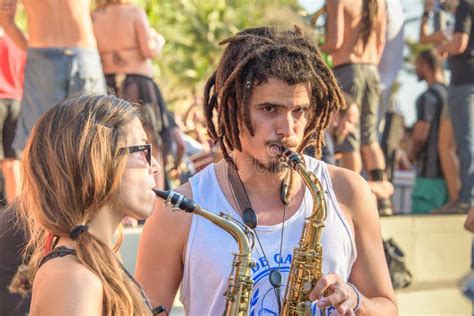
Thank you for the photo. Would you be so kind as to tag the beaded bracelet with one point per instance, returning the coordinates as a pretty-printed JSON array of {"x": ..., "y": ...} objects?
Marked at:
[{"x": 356, "y": 308}]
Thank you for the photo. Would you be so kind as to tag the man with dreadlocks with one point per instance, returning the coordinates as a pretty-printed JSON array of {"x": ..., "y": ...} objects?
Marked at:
[
  {"x": 270, "y": 87},
  {"x": 355, "y": 39}
]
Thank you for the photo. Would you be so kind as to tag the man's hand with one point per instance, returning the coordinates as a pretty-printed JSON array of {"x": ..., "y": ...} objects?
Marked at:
[
  {"x": 469, "y": 223},
  {"x": 441, "y": 49},
  {"x": 346, "y": 122},
  {"x": 338, "y": 294}
]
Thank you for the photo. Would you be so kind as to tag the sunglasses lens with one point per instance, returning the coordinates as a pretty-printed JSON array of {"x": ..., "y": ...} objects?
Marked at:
[
  {"x": 147, "y": 151},
  {"x": 148, "y": 156}
]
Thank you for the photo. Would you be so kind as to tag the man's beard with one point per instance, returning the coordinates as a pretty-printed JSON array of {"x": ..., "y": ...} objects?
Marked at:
[{"x": 277, "y": 166}]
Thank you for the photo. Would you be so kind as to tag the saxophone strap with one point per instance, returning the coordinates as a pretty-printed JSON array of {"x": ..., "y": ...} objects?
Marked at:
[
  {"x": 250, "y": 219},
  {"x": 249, "y": 216}
]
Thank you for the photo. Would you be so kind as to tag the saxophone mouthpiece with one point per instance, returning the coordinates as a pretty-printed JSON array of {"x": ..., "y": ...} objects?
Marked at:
[
  {"x": 178, "y": 200},
  {"x": 292, "y": 157}
]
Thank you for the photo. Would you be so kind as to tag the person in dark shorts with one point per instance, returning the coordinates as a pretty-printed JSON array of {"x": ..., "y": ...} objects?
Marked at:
[
  {"x": 12, "y": 64},
  {"x": 356, "y": 49}
]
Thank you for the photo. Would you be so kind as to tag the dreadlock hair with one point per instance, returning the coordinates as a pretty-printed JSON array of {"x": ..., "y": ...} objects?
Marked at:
[
  {"x": 251, "y": 58},
  {"x": 369, "y": 15}
]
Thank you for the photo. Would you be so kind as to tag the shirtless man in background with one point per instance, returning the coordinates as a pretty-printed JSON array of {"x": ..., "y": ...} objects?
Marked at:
[
  {"x": 62, "y": 56},
  {"x": 355, "y": 39}
]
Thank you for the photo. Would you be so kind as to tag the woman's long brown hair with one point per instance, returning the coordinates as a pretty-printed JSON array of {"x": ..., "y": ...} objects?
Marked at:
[{"x": 72, "y": 169}]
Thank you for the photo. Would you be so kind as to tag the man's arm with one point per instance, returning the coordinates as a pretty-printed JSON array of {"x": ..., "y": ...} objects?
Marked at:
[
  {"x": 437, "y": 37},
  {"x": 420, "y": 135},
  {"x": 425, "y": 113},
  {"x": 370, "y": 272},
  {"x": 456, "y": 46},
  {"x": 160, "y": 263},
  {"x": 7, "y": 21},
  {"x": 462, "y": 30},
  {"x": 335, "y": 26}
]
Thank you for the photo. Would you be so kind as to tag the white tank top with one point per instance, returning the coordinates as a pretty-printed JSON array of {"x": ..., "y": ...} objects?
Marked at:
[{"x": 209, "y": 248}]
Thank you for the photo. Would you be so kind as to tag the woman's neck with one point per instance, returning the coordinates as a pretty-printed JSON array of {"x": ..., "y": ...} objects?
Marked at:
[{"x": 103, "y": 226}]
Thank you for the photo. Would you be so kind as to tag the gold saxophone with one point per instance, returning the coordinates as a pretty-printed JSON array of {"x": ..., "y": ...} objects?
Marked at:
[
  {"x": 239, "y": 285},
  {"x": 307, "y": 264}
]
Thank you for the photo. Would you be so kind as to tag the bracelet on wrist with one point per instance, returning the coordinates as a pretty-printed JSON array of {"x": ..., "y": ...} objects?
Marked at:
[
  {"x": 426, "y": 14},
  {"x": 357, "y": 293}
]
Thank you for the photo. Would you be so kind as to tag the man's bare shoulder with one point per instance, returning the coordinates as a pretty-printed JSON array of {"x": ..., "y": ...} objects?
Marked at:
[
  {"x": 348, "y": 185},
  {"x": 74, "y": 288}
]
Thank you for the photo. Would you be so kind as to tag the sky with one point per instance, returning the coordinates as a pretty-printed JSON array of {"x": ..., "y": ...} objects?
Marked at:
[{"x": 410, "y": 87}]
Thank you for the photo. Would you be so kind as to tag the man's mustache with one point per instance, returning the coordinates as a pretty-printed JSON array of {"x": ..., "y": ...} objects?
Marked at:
[{"x": 292, "y": 143}]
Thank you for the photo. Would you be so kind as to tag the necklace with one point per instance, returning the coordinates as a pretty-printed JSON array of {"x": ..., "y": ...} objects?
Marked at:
[{"x": 250, "y": 219}]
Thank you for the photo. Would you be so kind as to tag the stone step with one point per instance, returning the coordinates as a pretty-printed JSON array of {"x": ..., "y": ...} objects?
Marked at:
[
  {"x": 436, "y": 247},
  {"x": 442, "y": 298}
]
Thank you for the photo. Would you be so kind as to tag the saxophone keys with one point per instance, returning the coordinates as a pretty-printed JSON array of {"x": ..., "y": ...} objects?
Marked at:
[{"x": 307, "y": 287}]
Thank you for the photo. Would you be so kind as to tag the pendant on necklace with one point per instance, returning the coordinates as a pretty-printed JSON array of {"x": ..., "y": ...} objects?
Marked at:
[
  {"x": 275, "y": 278},
  {"x": 250, "y": 218}
]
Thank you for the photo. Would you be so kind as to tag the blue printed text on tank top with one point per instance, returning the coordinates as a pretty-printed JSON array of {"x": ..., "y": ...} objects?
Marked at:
[{"x": 263, "y": 302}]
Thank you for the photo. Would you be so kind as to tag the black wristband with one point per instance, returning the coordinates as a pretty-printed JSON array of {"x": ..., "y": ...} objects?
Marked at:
[{"x": 426, "y": 14}]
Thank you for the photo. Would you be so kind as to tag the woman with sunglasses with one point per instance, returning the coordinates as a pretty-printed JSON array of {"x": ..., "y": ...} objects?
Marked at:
[{"x": 86, "y": 166}]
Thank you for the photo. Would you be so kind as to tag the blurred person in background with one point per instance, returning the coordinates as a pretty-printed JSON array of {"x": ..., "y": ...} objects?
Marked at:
[
  {"x": 12, "y": 63},
  {"x": 430, "y": 190},
  {"x": 442, "y": 33},
  {"x": 460, "y": 50},
  {"x": 13, "y": 240},
  {"x": 355, "y": 39},
  {"x": 127, "y": 44},
  {"x": 62, "y": 57}
]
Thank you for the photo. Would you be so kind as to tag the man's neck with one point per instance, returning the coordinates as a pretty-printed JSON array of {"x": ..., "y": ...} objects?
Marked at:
[
  {"x": 264, "y": 184},
  {"x": 435, "y": 78}
]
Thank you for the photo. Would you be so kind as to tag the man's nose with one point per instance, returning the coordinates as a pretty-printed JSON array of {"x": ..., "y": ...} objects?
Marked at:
[{"x": 286, "y": 126}]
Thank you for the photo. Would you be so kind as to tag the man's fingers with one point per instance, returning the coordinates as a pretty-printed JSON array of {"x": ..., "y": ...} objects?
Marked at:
[
  {"x": 337, "y": 297},
  {"x": 322, "y": 285}
]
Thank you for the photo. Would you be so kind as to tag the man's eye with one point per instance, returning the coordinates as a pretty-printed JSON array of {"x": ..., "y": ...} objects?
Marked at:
[
  {"x": 300, "y": 111},
  {"x": 268, "y": 108}
]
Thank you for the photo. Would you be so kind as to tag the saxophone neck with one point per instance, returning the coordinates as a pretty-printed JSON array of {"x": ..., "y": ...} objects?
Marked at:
[
  {"x": 315, "y": 187},
  {"x": 224, "y": 221}
]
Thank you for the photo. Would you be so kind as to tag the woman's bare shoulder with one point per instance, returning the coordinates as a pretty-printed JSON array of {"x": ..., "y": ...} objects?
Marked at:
[{"x": 65, "y": 286}]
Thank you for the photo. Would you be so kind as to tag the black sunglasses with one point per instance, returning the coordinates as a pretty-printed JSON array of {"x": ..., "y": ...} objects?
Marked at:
[{"x": 133, "y": 149}]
